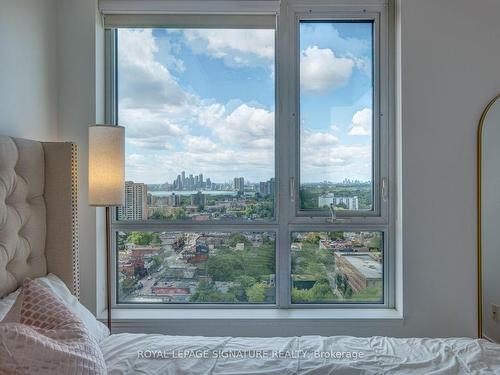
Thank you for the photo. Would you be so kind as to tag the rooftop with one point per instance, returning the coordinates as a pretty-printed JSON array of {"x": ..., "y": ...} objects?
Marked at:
[{"x": 365, "y": 264}]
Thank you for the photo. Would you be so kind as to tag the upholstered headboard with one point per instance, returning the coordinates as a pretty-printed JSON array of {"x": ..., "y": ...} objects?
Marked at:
[{"x": 38, "y": 212}]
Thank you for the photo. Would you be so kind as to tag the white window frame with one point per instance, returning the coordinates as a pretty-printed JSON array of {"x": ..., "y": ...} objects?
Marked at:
[{"x": 288, "y": 217}]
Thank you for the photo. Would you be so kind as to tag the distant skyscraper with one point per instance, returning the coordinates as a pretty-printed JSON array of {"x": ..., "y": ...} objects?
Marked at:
[
  {"x": 239, "y": 184},
  {"x": 197, "y": 182},
  {"x": 136, "y": 205},
  {"x": 208, "y": 184}
]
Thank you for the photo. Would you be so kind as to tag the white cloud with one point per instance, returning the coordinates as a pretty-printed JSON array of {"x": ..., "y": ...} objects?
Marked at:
[
  {"x": 202, "y": 145},
  {"x": 319, "y": 139},
  {"x": 361, "y": 123},
  {"x": 149, "y": 129},
  {"x": 247, "y": 126},
  {"x": 357, "y": 49},
  {"x": 321, "y": 70},
  {"x": 335, "y": 162},
  {"x": 151, "y": 143},
  {"x": 166, "y": 125},
  {"x": 237, "y": 47},
  {"x": 141, "y": 75},
  {"x": 323, "y": 156},
  {"x": 141, "y": 121}
]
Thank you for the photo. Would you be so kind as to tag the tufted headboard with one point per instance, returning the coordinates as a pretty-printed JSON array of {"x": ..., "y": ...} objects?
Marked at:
[{"x": 38, "y": 212}]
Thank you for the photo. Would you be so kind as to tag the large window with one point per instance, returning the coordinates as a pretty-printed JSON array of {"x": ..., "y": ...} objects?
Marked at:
[{"x": 257, "y": 159}]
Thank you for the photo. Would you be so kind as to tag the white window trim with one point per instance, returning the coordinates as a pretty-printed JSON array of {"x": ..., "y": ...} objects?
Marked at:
[{"x": 287, "y": 217}]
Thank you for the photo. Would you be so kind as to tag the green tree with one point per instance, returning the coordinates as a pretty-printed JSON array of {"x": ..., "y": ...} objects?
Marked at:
[
  {"x": 256, "y": 293},
  {"x": 312, "y": 238},
  {"x": 242, "y": 284},
  {"x": 157, "y": 262},
  {"x": 245, "y": 281},
  {"x": 178, "y": 214},
  {"x": 158, "y": 215},
  {"x": 375, "y": 242},
  {"x": 225, "y": 266},
  {"x": 235, "y": 238},
  {"x": 321, "y": 291},
  {"x": 300, "y": 295},
  {"x": 349, "y": 292},
  {"x": 128, "y": 285},
  {"x": 143, "y": 238},
  {"x": 208, "y": 293},
  {"x": 336, "y": 236},
  {"x": 259, "y": 262},
  {"x": 122, "y": 239}
]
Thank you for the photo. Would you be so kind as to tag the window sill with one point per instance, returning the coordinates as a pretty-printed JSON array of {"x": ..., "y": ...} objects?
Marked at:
[{"x": 344, "y": 314}]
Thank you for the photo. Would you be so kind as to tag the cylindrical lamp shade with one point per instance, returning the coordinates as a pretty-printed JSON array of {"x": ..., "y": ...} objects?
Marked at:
[{"x": 106, "y": 165}]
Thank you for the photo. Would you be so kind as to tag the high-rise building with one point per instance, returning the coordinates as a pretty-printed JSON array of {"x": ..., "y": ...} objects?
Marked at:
[
  {"x": 272, "y": 186},
  {"x": 239, "y": 184},
  {"x": 198, "y": 199},
  {"x": 263, "y": 188},
  {"x": 174, "y": 200},
  {"x": 136, "y": 205},
  {"x": 351, "y": 203},
  {"x": 200, "y": 180},
  {"x": 208, "y": 184},
  {"x": 183, "y": 180},
  {"x": 266, "y": 187}
]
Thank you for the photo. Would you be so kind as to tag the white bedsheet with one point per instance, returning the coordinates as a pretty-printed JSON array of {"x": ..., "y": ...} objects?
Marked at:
[{"x": 152, "y": 354}]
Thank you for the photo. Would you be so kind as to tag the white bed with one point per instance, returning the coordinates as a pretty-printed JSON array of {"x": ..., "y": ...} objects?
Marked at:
[
  {"x": 160, "y": 354},
  {"x": 38, "y": 235}
]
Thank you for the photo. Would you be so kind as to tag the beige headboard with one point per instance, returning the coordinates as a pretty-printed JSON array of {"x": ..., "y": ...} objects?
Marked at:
[{"x": 38, "y": 212}]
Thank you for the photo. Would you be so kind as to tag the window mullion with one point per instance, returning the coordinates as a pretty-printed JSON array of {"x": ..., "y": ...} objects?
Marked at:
[{"x": 284, "y": 141}]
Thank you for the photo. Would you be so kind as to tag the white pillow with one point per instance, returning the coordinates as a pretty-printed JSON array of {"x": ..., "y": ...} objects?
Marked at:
[
  {"x": 7, "y": 302},
  {"x": 60, "y": 290}
]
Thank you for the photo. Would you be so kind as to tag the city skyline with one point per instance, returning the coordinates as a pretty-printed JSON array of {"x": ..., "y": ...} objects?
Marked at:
[
  {"x": 170, "y": 181},
  {"x": 230, "y": 181},
  {"x": 190, "y": 181}
]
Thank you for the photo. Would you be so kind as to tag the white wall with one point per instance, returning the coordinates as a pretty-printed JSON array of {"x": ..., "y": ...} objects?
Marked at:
[
  {"x": 450, "y": 70},
  {"x": 76, "y": 40},
  {"x": 28, "y": 69},
  {"x": 51, "y": 89}
]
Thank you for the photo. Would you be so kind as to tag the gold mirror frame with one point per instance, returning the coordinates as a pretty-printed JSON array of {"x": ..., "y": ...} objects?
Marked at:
[{"x": 479, "y": 213}]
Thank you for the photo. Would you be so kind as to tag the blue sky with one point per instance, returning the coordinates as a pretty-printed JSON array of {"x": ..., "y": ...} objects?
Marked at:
[{"x": 203, "y": 101}]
